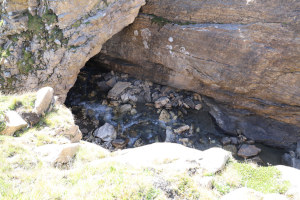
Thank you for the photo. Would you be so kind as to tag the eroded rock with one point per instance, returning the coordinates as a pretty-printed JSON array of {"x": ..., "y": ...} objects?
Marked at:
[
  {"x": 107, "y": 133},
  {"x": 13, "y": 122},
  {"x": 247, "y": 151}
]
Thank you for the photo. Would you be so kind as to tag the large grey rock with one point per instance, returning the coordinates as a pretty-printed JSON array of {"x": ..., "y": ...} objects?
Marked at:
[
  {"x": 173, "y": 158},
  {"x": 44, "y": 97},
  {"x": 243, "y": 54},
  {"x": 13, "y": 122},
  {"x": 118, "y": 89},
  {"x": 247, "y": 151},
  {"x": 45, "y": 43},
  {"x": 107, "y": 133}
]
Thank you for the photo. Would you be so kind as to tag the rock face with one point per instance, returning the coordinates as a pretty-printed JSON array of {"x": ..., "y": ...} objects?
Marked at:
[
  {"x": 45, "y": 43},
  {"x": 244, "y": 55}
]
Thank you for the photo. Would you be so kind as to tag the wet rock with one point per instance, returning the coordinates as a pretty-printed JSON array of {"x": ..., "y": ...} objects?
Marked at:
[
  {"x": 119, "y": 143},
  {"x": 250, "y": 142},
  {"x": 189, "y": 102},
  {"x": 128, "y": 97},
  {"x": 118, "y": 89},
  {"x": 162, "y": 101},
  {"x": 111, "y": 82},
  {"x": 225, "y": 140},
  {"x": 247, "y": 151},
  {"x": 298, "y": 150},
  {"x": 182, "y": 129},
  {"x": 256, "y": 160},
  {"x": 139, "y": 142},
  {"x": 198, "y": 106},
  {"x": 44, "y": 97},
  {"x": 164, "y": 116},
  {"x": 107, "y": 133},
  {"x": 102, "y": 86},
  {"x": 234, "y": 140},
  {"x": 231, "y": 148},
  {"x": 133, "y": 112},
  {"x": 13, "y": 122},
  {"x": 170, "y": 136},
  {"x": 31, "y": 118},
  {"x": 125, "y": 108}
]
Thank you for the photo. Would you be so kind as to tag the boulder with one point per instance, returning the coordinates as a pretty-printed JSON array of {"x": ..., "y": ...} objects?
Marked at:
[
  {"x": 44, "y": 97},
  {"x": 13, "y": 122},
  {"x": 46, "y": 43},
  {"x": 73, "y": 134},
  {"x": 117, "y": 90},
  {"x": 173, "y": 157},
  {"x": 107, "y": 133},
  {"x": 242, "y": 54},
  {"x": 247, "y": 151}
]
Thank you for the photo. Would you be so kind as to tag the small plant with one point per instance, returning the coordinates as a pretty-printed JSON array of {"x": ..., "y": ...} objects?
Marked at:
[{"x": 2, "y": 121}]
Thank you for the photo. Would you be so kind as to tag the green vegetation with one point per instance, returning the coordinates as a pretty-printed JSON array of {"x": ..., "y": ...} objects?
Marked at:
[
  {"x": 263, "y": 179},
  {"x": 2, "y": 122},
  {"x": 25, "y": 65},
  {"x": 10, "y": 102},
  {"x": 35, "y": 24}
]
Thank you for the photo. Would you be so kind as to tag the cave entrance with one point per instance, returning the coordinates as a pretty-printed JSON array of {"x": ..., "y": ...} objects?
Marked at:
[{"x": 117, "y": 111}]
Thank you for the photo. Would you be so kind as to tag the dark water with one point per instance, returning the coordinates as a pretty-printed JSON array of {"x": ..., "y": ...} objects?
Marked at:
[{"x": 86, "y": 102}]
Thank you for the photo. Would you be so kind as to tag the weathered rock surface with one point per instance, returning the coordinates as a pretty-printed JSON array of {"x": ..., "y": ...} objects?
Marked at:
[
  {"x": 175, "y": 157},
  {"x": 106, "y": 133},
  {"x": 247, "y": 151},
  {"x": 45, "y": 43},
  {"x": 243, "y": 54},
  {"x": 13, "y": 122},
  {"x": 43, "y": 99}
]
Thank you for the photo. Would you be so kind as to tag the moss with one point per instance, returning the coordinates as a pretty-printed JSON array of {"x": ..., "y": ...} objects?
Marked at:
[
  {"x": 160, "y": 21},
  {"x": 25, "y": 65},
  {"x": 2, "y": 121},
  {"x": 49, "y": 17},
  {"x": 35, "y": 24},
  {"x": 76, "y": 24}
]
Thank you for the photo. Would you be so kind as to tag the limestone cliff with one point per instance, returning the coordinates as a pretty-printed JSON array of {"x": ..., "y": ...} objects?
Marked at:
[
  {"x": 45, "y": 43},
  {"x": 245, "y": 55}
]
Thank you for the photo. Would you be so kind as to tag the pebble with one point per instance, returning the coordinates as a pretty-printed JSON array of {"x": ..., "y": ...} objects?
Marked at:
[
  {"x": 125, "y": 108},
  {"x": 164, "y": 116},
  {"x": 182, "y": 129},
  {"x": 225, "y": 140},
  {"x": 162, "y": 101}
]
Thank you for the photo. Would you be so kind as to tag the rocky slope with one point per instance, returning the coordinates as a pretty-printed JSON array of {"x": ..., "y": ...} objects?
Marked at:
[
  {"x": 242, "y": 54},
  {"x": 47, "y": 42}
]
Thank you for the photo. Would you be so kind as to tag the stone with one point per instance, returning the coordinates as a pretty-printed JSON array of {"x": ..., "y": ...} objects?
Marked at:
[
  {"x": 44, "y": 97},
  {"x": 164, "y": 116},
  {"x": 73, "y": 134},
  {"x": 31, "y": 118},
  {"x": 162, "y": 101},
  {"x": 182, "y": 129},
  {"x": 55, "y": 154},
  {"x": 252, "y": 92},
  {"x": 214, "y": 160},
  {"x": 247, "y": 151},
  {"x": 125, "y": 108},
  {"x": 298, "y": 150},
  {"x": 120, "y": 143},
  {"x": 107, "y": 133},
  {"x": 234, "y": 140},
  {"x": 170, "y": 136},
  {"x": 231, "y": 148},
  {"x": 13, "y": 122},
  {"x": 118, "y": 89},
  {"x": 225, "y": 140},
  {"x": 111, "y": 82},
  {"x": 198, "y": 106}
]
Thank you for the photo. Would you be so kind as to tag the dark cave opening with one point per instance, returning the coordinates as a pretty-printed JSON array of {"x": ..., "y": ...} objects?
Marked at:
[{"x": 137, "y": 120}]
